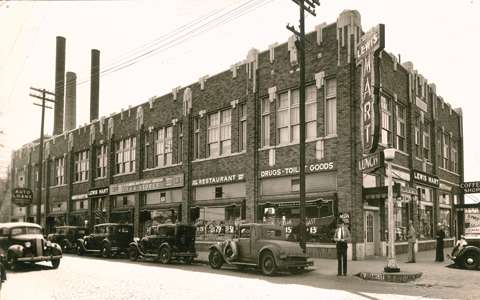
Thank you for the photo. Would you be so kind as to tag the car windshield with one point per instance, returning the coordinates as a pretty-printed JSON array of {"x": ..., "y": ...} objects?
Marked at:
[
  {"x": 62, "y": 230},
  {"x": 273, "y": 234},
  {"x": 25, "y": 230}
]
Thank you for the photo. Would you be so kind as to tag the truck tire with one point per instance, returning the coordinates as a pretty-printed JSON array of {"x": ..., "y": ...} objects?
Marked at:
[
  {"x": 165, "y": 255},
  {"x": 215, "y": 259},
  {"x": 55, "y": 263},
  {"x": 133, "y": 253},
  {"x": 105, "y": 252}
]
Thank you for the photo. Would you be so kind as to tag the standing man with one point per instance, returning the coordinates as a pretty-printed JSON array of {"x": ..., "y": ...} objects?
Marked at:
[
  {"x": 342, "y": 237},
  {"x": 440, "y": 236},
  {"x": 412, "y": 239},
  {"x": 302, "y": 236}
]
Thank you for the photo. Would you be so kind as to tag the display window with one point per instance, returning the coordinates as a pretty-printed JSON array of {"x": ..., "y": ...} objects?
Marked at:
[
  {"x": 319, "y": 219},
  {"x": 472, "y": 221},
  {"x": 217, "y": 223},
  {"x": 425, "y": 222},
  {"x": 445, "y": 219}
]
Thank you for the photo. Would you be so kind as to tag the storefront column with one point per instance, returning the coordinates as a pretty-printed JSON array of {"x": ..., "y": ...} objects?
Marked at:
[{"x": 136, "y": 215}]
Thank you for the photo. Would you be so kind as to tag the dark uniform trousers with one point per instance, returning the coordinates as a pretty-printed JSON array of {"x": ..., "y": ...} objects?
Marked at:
[{"x": 342, "y": 247}]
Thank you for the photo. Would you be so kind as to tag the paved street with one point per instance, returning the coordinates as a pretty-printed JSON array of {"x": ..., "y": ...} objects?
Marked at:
[{"x": 95, "y": 278}]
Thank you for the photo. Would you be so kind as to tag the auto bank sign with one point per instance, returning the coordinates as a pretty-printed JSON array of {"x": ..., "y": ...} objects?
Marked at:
[{"x": 368, "y": 49}]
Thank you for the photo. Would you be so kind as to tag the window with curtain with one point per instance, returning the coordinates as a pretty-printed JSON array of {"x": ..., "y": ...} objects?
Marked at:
[
  {"x": 331, "y": 107},
  {"x": 196, "y": 138},
  {"x": 446, "y": 142},
  {"x": 60, "y": 171},
  {"x": 426, "y": 141},
  {"x": 219, "y": 133},
  {"x": 163, "y": 147},
  {"x": 265, "y": 122},
  {"x": 387, "y": 121},
  {"x": 102, "y": 161},
  {"x": 81, "y": 166},
  {"x": 243, "y": 128},
  {"x": 125, "y": 155}
]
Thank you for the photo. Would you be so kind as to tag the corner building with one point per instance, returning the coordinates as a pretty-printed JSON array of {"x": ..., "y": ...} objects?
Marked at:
[{"x": 224, "y": 150}]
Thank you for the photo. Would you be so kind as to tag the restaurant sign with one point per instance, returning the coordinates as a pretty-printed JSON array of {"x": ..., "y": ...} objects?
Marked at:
[
  {"x": 164, "y": 182},
  {"x": 425, "y": 178},
  {"x": 371, "y": 162},
  {"x": 218, "y": 179},
  {"x": 471, "y": 187},
  {"x": 312, "y": 168},
  {"x": 22, "y": 196},
  {"x": 368, "y": 49}
]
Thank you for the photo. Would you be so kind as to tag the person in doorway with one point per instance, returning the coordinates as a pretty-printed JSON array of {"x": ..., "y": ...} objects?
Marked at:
[
  {"x": 412, "y": 239},
  {"x": 439, "y": 236},
  {"x": 342, "y": 237}
]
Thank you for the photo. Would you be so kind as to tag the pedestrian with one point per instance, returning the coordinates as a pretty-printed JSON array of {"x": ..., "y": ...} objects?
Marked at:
[
  {"x": 302, "y": 236},
  {"x": 439, "y": 236},
  {"x": 342, "y": 237},
  {"x": 412, "y": 239}
]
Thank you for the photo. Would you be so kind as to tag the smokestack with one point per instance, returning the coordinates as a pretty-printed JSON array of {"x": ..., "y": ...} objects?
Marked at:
[
  {"x": 59, "y": 85},
  {"x": 71, "y": 101},
  {"x": 94, "y": 84}
]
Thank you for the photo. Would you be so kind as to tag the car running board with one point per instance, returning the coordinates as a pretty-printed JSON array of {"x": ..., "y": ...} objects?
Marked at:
[{"x": 242, "y": 263}]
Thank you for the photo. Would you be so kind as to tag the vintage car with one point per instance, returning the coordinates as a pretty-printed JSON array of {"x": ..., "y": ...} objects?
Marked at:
[
  {"x": 107, "y": 239},
  {"x": 466, "y": 252},
  {"x": 260, "y": 245},
  {"x": 24, "y": 242},
  {"x": 67, "y": 236},
  {"x": 166, "y": 242}
]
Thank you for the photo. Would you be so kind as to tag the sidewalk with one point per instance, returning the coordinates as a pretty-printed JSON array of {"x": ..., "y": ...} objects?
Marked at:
[{"x": 434, "y": 273}]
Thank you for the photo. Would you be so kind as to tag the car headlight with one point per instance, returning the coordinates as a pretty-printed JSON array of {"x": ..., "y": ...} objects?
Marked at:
[
  {"x": 28, "y": 244},
  {"x": 136, "y": 239}
]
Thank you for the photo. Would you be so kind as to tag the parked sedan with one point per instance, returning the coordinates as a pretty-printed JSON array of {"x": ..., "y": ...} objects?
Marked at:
[
  {"x": 260, "y": 245},
  {"x": 67, "y": 236},
  {"x": 24, "y": 242},
  {"x": 106, "y": 239}
]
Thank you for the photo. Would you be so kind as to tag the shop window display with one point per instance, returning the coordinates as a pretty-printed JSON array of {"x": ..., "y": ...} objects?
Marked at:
[
  {"x": 425, "y": 223},
  {"x": 445, "y": 219},
  {"x": 319, "y": 215},
  {"x": 217, "y": 223}
]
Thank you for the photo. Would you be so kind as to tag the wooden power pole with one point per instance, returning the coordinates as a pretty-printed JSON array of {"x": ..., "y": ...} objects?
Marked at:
[
  {"x": 309, "y": 6},
  {"x": 44, "y": 98}
]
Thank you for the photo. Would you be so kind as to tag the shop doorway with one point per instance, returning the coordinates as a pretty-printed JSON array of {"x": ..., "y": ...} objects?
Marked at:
[{"x": 372, "y": 237}]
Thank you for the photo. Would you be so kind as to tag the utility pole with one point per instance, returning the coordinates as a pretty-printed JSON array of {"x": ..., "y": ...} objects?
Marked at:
[
  {"x": 44, "y": 98},
  {"x": 309, "y": 6}
]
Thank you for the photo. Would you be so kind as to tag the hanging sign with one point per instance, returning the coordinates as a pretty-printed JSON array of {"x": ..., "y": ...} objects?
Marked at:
[
  {"x": 371, "y": 162},
  {"x": 471, "y": 187},
  {"x": 22, "y": 196},
  {"x": 368, "y": 49}
]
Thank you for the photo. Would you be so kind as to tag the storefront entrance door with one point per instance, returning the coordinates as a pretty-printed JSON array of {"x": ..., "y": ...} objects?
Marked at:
[{"x": 371, "y": 228}]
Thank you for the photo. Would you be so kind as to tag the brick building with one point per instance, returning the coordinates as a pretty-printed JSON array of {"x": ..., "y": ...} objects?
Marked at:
[{"x": 224, "y": 150}]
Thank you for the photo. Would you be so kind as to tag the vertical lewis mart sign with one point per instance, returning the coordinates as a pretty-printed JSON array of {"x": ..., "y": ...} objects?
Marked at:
[{"x": 368, "y": 49}]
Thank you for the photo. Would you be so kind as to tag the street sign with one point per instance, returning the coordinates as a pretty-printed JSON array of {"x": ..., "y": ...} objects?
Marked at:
[
  {"x": 22, "y": 196},
  {"x": 371, "y": 162},
  {"x": 471, "y": 187}
]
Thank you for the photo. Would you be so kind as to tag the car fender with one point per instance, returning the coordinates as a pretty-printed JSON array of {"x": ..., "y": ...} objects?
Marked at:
[
  {"x": 56, "y": 248},
  {"x": 275, "y": 251},
  {"x": 106, "y": 242},
  {"x": 16, "y": 249},
  {"x": 467, "y": 249},
  {"x": 165, "y": 245}
]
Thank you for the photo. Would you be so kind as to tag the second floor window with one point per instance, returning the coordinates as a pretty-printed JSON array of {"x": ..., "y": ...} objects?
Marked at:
[
  {"x": 102, "y": 161},
  {"x": 163, "y": 147},
  {"x": 81, "y": 165},
  {"x": 426, "y": 141},
  {"x": 60, "y": 171},
  {"x": 401, "y": 127},
  {"x": 196, "y": 138},
  {"x": 387, "y": 121},
  {"x": 219, "y": 133},
  {"x": 125, "y": 155},
  {"x": 331, "y": 107},
  {"x": 453, "y": 157},
  {"x": 418, "y": 143},
  {"x": 446, "y": 152},
  {"x": 243, "y": 128},
  {"x": 265, "y": 122}
]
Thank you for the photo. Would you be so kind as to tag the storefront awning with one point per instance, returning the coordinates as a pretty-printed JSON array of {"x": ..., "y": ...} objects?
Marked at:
[{"x": 297, "y": 203}]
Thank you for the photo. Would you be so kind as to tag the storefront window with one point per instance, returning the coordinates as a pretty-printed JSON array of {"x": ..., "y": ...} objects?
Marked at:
[
  {"x": 217, "y": 223},
  {"x": 320, "y": 220},
  {"x": 472, "y": 221},
  {"x": 425, "y": 216},
  {"x": 401, "y": 221},
  {"x": 445, "y": 219}
]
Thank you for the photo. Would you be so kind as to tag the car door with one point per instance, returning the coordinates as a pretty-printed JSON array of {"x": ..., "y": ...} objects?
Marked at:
[{"x": 244, "y": 244}]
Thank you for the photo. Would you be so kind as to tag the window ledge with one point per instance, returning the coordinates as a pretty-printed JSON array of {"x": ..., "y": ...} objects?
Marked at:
[
  {"x": 78, "y": 182},
  {"x": 100, "y": 178},
  {"x": 448, "y": 171},
  {"x": 402, "y": 152},
  {"x": 124, "y": 174},
  {"x": 162, "y": 167},
  {"x": 58, "y": 186},
  {"x": 218, "y": 157}
]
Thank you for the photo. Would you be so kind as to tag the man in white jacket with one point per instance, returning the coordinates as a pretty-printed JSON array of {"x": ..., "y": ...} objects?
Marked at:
[{"x": 342, "y": 237}]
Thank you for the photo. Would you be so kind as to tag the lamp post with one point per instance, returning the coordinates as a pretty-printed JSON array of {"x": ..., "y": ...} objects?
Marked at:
[{"x": 392, "y": 267}]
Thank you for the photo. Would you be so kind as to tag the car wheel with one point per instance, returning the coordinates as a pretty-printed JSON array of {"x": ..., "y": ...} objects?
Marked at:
[
  {"x": 188, "y": 260},
  {"x": 133, "y": 254},
  {"x": 215, "y": 259},
  {"x": 105, "y": 252},
  {"x": 267, "y": 263},
  {"x": 55, "y": 263},
  {"x": 80, "y": 250},
  {"x": 471, "y": 260},
  {"x": 165, "y": 254}
]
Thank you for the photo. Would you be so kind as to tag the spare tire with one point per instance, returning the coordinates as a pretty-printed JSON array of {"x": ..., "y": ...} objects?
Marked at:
[{"x": 231, "y": 250}]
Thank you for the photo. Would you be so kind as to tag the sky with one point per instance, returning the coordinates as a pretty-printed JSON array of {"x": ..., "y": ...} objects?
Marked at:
[{"x": 438, "y": 36}]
